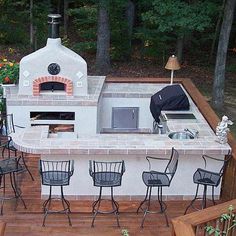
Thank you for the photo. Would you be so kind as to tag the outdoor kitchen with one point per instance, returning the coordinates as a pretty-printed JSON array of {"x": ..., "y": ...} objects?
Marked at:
[{"x": 70, "y": 115}]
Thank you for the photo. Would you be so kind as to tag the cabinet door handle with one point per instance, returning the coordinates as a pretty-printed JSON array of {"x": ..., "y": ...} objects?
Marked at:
[{"x": 133, "y": 114}]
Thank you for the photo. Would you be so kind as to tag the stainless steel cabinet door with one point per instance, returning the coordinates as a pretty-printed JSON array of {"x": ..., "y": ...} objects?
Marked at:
[{"x": 125, "y": 117}]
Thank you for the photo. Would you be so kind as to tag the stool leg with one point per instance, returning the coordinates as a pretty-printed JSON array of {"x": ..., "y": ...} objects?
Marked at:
[
  {"x": 213, "y": 198},
  {"x": 26, "y": 167},
  {"x": 97, "y": 202},
  {"x": 16, "y": 189},
  {"x": 67, "y": 207},
  {"x": 160, "y": 199},
  {"x": 45, "y": 208},
  {"x": 204, "y": 197},
  {"x": 148, "y": 206},
  {"x": 115, "y": 207},
  {"x": 2, "y": 179},
  {"x": 162, "y": 205},
  {"x": 191, "y": 203},
  {"x": 3, "y": 150},
  {"x": 145, "y": 199}
]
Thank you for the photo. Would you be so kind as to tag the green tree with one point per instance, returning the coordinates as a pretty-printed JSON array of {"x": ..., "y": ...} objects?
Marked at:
[
  {"x": 84, "y": 18},
  {"x": 12, "y": 18},
  {"x": 103, "y": 39},
  {"x": 179, "y": 19},
  {"x": 219, "y": 76},
  {"x": 24, "y": 22}
]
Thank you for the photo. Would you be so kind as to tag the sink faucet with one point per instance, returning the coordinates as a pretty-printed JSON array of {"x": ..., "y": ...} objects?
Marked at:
[{"x": 192, "y": 132}]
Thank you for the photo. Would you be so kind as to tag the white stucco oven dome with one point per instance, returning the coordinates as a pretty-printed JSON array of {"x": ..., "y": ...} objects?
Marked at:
[{"x": 63, "y": 69}]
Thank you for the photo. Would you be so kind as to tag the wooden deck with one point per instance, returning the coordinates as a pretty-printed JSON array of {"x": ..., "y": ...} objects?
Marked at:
[{"x": 28, "y": 221}]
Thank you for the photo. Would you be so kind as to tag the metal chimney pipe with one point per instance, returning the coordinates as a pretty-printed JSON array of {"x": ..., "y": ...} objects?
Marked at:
[{"x": 54, "y": 22}]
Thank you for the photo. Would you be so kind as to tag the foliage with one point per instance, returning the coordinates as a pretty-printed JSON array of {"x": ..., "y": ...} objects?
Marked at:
[
  {"x": 180, "y": 16},
  {"x": 157, "y": 26},
  {"x": 84, "y": 18},
  {"x": 176, "y": 18},
  {"x": 14, "y": 21},
  {"x": 125, "y": 232},
  {"x": 120, "y": 47},
  {"x": 229, "y": 222},
  {"x": 9, "y": 72},
  {"x": 40, "y": 13},
  {"x": 12, "y": 27}
]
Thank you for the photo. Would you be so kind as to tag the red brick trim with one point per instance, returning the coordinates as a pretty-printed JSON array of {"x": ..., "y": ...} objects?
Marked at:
[{"x": 68, "y": 84}]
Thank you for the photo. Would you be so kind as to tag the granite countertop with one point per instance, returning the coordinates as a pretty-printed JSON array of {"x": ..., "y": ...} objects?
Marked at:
[{"x": 35, "y": 140}]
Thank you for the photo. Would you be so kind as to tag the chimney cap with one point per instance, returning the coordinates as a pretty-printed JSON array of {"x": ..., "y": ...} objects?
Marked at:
[{"x": 54, "y": 18}]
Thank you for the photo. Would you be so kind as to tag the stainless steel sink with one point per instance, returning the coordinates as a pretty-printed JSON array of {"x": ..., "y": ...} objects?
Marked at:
[{"x": 180, "y": 135}]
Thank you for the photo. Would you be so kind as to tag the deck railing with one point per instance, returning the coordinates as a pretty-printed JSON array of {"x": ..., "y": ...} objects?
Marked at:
[{"x": 194, "y": 223}]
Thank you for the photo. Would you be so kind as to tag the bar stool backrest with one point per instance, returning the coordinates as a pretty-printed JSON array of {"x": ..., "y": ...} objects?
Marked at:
[
  {"x": 107, "y": 173},
  {"x": 7, "y": 124},
  {"x": 221, "y": 162},
  {"x": 172, "y": 164},
  {"x": 56, "y": 173}
]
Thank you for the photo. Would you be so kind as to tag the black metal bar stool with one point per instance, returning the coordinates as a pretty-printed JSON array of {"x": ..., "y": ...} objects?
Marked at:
[
  {"x": 10, "y": 167},
  {"x": 7, "y": 127},
  {"x": 107, "y": 175},
  {"x": 153, "y": 179},
  {"x": 206, "y": 177},
  {"x": 56, "y": 173}
]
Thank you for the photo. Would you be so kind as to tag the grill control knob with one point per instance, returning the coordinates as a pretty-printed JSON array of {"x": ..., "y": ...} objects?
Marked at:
[{"x": 54, "y": 69}]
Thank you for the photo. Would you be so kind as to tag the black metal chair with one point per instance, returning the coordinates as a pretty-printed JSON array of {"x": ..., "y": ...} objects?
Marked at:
[
  {"x": 9, "y": 167},
  {"x": 107, "y": 175},
  {"x": 7, "y": 127},
  {"x": 56, "y": 173},
  {"x": 153, "y": 179},
  {"x": 206, "y": 177}
]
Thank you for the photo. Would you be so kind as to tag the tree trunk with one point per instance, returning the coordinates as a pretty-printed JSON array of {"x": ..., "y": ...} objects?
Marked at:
[
  {"x": 219, "y": 75},
  {"x": 58, "y": 6},
  {"x": 129, "y": 13},
  {"x": 31, "y": 26},
  {"x": 217, "y": 30},
  {"x": 179, "y": 48},
  {"x": 103, "y": 40},
  {"x": 35, "y": 38},
  {"x": 65, "y": 18}
]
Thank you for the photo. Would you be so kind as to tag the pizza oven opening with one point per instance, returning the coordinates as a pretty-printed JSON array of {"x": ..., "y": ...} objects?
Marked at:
[{"x": 52, "y": 87}]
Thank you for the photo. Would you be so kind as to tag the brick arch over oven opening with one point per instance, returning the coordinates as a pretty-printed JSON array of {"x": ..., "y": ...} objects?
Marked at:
[{"x": 68, "y": 84}]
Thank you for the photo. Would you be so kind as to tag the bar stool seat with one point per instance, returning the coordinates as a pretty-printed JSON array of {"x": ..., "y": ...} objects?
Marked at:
[
  {"x": 55, "y": 178},
  {"x": 107, "y": 179},
  {"x": 54, "y": 174},
  {"x": 10, "y": 167},
  {"x": 155, "y": 179},
  {"x": 10, "y": 147}
]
